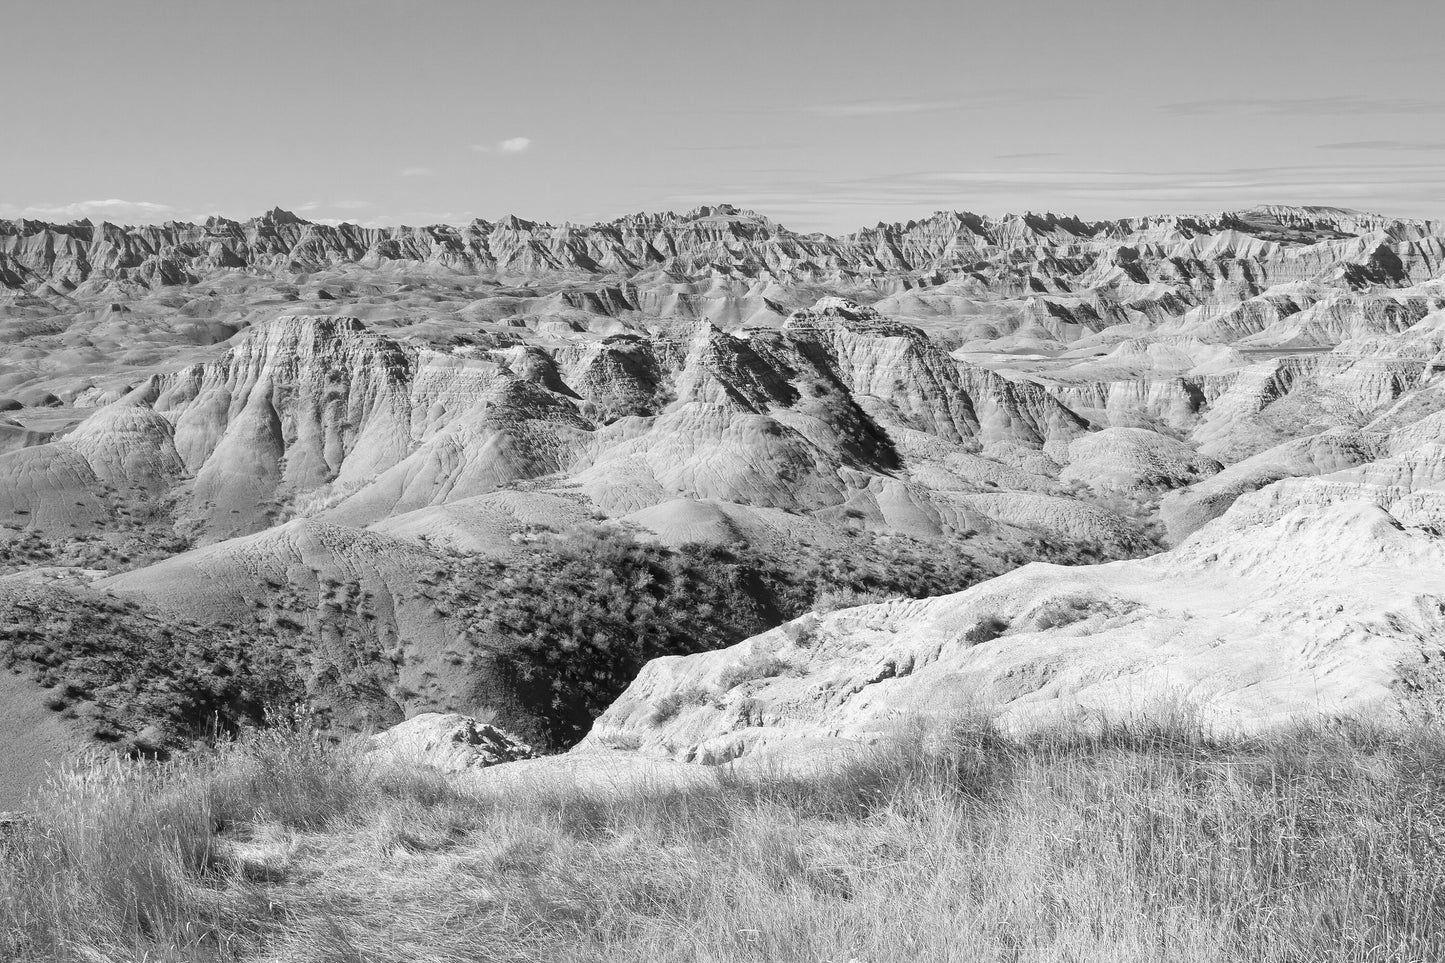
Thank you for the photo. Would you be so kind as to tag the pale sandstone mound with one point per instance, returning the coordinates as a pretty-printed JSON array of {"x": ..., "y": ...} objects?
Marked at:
[
  {"x": 684, "y": 521},
  {"x": 1060, "y": 517},
  {"x": 51, "y": 487},
  {"x": 1185, "y": 511},
  {"x": 37, "y": 740},
  {"x": 1409, "y": 484},
  {"x": 487, "y": 524},
  {"x": 595, "y": 772},
  {"x": 1313, "y": 604},
  {"x": 1132, "y": 459},
  {"x": 354, "y": 601},
  {"x": 14, "y": 436},
  {"x": 448, "y": 741},
  {"x": 842, "y": 412}
]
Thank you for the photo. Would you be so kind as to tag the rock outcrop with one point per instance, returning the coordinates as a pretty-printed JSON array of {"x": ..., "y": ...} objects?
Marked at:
[
  {"x": 1309, "y": 598},
  {"x": 450, "y": 742}
]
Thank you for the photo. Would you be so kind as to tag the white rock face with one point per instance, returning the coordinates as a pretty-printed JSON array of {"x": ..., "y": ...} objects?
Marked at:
[
  {"x": 450, "y": 742},
  {"x": 1309, "y": 598}
]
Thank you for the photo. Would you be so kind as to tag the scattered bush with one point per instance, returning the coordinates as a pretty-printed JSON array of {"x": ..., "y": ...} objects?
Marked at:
[
  {"x": 674, "y": 702},
  {"x": 986, "y": 630},
  {"x": 129, "y": 668},
  {"x": 575, "y": 617},
  {"x": 763, "y": 665}
]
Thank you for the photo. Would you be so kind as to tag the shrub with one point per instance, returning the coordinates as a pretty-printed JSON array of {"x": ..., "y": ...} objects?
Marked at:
[
  {"x": 573, "y": 619},
  {"x": 761, "y": 665},
  {"x": 669, "y": 705},
  {"x": 834, "y": 599},
  {"x": 986, "y": 630}
]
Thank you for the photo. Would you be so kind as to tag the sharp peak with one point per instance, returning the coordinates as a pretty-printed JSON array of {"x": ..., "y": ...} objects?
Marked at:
[{"x": 279, "y": 215}]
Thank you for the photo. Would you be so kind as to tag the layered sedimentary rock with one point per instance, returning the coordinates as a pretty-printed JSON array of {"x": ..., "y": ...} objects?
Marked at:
[
  {"x": 449, "y": 742},
  {"x": 1310, "y": 598},
  {"x": 306, "y": 414},
  {"x": 315, "y": 420}
]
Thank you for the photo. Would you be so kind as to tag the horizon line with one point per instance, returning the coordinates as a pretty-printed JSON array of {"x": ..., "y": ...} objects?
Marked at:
[{"x": 722, "y": 209}]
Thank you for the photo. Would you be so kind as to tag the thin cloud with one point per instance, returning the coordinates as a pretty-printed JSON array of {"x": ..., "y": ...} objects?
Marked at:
[
  {"x": 1028, "y": 155},
  {"x": 927, "y": 105},
  {"x": 1412, "y": 190},
  {"x": 511, "y": 145},
  {"x": 417, "y": 172},
  {"x": 709, "y": 148},
  {"x": 405, "y": 218},
  {"x": 878, "y": 108},
  {"x": 1392, "y": 145},
  {"x": 1344, "y": 106},
  {"x": 351, "y": 205},
  {"x": 113, "y": 209}
]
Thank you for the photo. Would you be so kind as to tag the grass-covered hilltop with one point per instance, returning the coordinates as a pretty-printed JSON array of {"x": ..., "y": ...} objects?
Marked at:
[{"x": 1138, "y": 842}]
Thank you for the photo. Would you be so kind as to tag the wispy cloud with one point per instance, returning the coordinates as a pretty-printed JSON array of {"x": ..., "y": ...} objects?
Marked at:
[
  {"x": 876, "y": 108},
  {"x": 1340, "y": 106},
  {"x": 410, "y": 218},
  {"x": 1028, "y": 155},
  {"x": 113, "y": 209},
  {"x": 511, "y": 145},
  {"x": 1403, "y": 189},
  {"x": 974, "y": 100},
  {"x": 1390, "y": 145},
  {"x": 417, "y": 172},
  {"x": 729, "y": 148},
  {"x": 311, "y": 206}
]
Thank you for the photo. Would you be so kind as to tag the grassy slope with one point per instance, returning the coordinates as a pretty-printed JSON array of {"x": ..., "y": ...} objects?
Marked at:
[
  {"x": 570, "y": 622},
  {"x": 35, "y": 737},
  {"x": 1135, "y": 845},
  {"x": 129, "y": 675},
  {"x": 546, "y": 638}
]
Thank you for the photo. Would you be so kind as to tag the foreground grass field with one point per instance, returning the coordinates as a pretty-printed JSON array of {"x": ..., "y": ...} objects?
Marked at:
[{"x": 1142, "y": 843}]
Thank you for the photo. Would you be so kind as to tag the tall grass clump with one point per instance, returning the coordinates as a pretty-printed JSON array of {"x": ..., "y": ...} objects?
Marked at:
[
  {"x": 1155, "y": 841},
  {"x": 133, "y": 860}
]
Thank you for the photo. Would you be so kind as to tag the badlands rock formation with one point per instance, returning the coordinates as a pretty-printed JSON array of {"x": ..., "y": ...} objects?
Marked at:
[
  {"x": 1312, "y": 598},
  {"x": 449, "y": 742},
  {"x": 307, "y": 436}
]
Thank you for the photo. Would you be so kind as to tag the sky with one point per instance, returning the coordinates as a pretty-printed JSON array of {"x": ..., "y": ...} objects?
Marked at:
[{"x": 822, "y": 115}]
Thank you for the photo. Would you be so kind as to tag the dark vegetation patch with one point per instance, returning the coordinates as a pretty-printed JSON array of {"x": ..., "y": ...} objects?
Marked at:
[
  {"x": 138, "y": 678},
  {"x": 987, "y": 630},
  {"x": 548, "y": 637},
  {"x": 124, "y": 548},
  {"x": 574, "y": 619}
]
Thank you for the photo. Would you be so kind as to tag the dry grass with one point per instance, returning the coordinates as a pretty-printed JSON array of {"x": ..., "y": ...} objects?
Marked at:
[{"x": 1134, "y": 844}]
